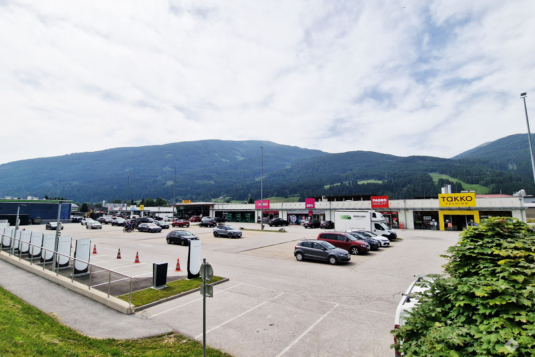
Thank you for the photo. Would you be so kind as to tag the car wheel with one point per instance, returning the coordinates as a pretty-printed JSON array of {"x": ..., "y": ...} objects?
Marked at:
[
  {"x": 168, "y": 241},
  {"x": 332, "y": 260},
  {"x": 215, "y": 234},
  {"x": 230, "y": 235},
  {"x": 354, "y": 251},
  {"x": 299, "y": 257},
  {"x": 182, "y": 242}
]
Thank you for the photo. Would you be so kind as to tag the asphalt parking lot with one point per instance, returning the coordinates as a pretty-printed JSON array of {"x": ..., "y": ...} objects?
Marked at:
[{"x": 274, "y": 305}]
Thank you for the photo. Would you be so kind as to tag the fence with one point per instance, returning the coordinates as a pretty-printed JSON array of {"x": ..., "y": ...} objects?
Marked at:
[{"x": 96, "y": 277}]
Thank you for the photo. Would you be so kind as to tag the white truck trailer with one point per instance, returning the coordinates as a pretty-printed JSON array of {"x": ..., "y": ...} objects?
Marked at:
[{"x": 363, "y": 221}]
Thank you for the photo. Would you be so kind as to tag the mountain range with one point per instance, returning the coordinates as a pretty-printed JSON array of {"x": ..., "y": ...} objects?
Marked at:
[{"x": 210, "y": 169}]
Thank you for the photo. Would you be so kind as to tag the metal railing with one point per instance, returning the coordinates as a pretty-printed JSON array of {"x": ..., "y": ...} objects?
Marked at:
[{"x": 93, "y": 269}]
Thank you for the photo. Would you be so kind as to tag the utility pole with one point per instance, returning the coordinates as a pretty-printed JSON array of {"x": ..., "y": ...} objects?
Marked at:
[
  {"x": 56, "y": 240},
  {"x": 523, "y": 96},
  {"x": 262, "y": 190}
]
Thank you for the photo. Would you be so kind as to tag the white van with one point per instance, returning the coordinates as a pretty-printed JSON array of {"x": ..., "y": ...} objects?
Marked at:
[{"x": 363, "y": 221}]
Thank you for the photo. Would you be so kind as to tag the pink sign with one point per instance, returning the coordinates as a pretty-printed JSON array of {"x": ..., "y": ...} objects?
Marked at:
[
  {"x": 310, "y": 203},
  {"x": 258, "y": 204}
]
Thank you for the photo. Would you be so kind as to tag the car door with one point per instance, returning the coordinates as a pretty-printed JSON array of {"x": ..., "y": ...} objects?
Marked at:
[
  {"x": 343, "y": 242},
  {"x": 306, "y": 248},
  {"x": 319, "y": 251},
  {"x": 378, "y": 229}
]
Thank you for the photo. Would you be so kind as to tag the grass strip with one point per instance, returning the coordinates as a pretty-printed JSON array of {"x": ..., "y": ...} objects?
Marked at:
[
  {"x": 27, "y": 331},
  {"x": 146, "y": 296}
]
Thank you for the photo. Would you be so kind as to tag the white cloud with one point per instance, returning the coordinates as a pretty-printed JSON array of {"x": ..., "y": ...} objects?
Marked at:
[{"x": 433, "y": 78}]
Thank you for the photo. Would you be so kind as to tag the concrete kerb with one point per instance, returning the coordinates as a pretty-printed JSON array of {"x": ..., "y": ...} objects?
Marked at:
[
  {"x": 146, "y": 306},
  {"x": 112, "y": 302}
]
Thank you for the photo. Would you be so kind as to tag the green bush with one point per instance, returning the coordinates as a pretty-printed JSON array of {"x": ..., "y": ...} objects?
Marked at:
[{"x": 486, "y": 300}]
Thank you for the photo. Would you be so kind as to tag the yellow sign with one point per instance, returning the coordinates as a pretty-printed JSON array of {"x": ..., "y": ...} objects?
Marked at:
[
  {"x": 457, "y": 200},
  {"x": 186, "y": 201},
  {"x": 141, "y": 207}
]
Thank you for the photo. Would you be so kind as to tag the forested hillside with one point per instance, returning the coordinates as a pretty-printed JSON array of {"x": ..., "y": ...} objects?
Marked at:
[{"x": 213, "y": 168}]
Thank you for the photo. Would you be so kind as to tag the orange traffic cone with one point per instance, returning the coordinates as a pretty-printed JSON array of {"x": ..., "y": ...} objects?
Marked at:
[
  {"x": 178, "y": 265},
  {"x": 119, "y": 254},
  {"x": 95, "y": 249},
  {"x": 137, "y": 258}
]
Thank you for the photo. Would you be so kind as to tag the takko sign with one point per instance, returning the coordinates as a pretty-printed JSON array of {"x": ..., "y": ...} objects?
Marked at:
[
  {"x": 258, "y": 204},
  {"x": 310, "y": 203},
  {"x": 380, "y": 202},
  {"x": 457, "y": 200}
]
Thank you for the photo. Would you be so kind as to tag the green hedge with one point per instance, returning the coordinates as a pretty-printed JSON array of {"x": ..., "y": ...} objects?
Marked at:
[{"x": 486, "y": 300}]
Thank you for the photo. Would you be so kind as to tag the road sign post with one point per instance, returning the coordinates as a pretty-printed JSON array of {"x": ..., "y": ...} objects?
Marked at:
[{"x": 206, "y": 291}]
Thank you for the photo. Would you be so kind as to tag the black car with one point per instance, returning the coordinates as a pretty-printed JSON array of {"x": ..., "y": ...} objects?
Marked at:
[
  {"x": 149, "y": 227},
  {"x": 76, "y": 219},
  {"x": 208, "y": 223},
  {"x": 312, "y": 224},
  {"x": 181, "y": 237},
  {"x": 319, "y": 250},
  {"x": 327, "y": 225},
  {"x": 278, "y": 222},
  {"x": 374, "y": 244},
  {"x": 220, "y": 220}
]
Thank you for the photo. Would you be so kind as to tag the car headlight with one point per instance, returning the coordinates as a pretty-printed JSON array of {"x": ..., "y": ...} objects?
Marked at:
[{"x": 342, "y": 254}]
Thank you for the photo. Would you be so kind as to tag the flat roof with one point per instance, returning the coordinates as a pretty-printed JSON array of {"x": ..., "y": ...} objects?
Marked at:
[{"x": 196, "y": 204}]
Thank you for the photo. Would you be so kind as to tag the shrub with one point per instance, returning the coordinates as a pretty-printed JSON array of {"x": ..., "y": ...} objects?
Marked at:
[{"x": 486, "y": 300}]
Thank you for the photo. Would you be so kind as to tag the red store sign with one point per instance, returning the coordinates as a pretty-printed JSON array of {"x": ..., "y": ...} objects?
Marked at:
[
  {"x": 258, "y": 204},
  {"x": 380, "y": 202},
  {"x": 310, "y": 203}
]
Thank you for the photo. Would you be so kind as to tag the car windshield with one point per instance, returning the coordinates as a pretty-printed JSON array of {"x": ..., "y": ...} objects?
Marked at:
[
  {"x": 369, "y": 234},
  {"x": 231, "y": 228},
  {"x": 352, "y": 237},
  {"x": 328, "y": 245},
  {"x": 185, "y": 234},
  {"x": 384, "y": 226}
]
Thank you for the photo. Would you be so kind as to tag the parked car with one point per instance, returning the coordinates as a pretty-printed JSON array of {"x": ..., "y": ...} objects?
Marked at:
[
  {"x": 227, "y": 231},
  {"x": 208, "y": 223},
  {"x": 181, "y": 223},
  {"x": 374, "y": 244},
  {"x": 157, "y": 218},
  {"x": 312, "y": 224},
  {"x": 181, "y": 237},
  {"x": 76, "y": 219},
  {"x": 93, "y": 225},
  {"x": 85, "y": 221},
  {"x": 169, "y": 219},
  {"x": 345, "y": 241},
  {"x": 149, "y": 227},
  {"x": 118, "y": 221},
  {"x": 53, "y": 226},
  {"x": 385, "y": 242},
  {"x": 105, "y": 219},
  {"x": 161, "y": 224},
  {"x": 144, "y": 220},
  {"x": 195, "y": 219},
  {"x": 220, "y": 220},
  {"x": 327, "y": 225},
  {"x": 278, "y": 222},
  {"x": 407, "y": 304},
  {"x": 319, "y": 250}
]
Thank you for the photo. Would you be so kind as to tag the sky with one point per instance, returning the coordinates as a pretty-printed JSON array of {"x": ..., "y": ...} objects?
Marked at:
[{"x": 419, "y": 78}]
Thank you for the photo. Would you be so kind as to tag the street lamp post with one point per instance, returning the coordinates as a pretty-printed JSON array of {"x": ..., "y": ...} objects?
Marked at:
[
  {"x": 262, "y": 190},
  {"x": 523, "y": 96},
  {"x": 174, "y": 186},
  {"x": 127, "y": 187},
  {"x": 16, "y": 226},
  {"x": 56, "y": 240}
]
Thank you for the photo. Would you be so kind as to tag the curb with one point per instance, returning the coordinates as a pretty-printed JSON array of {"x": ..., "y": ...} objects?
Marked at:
[{"x": 146, "y": 306}]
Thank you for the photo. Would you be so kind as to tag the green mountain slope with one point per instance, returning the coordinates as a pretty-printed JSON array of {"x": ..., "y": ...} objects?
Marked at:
[{"x": 214, "y": 168}]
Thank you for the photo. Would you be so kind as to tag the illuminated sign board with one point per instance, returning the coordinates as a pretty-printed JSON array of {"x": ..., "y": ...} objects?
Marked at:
[
  {"x": 457, "y": 200},
  {"x": 380, "y": 202},
  {"x": 186, "y": 201}
]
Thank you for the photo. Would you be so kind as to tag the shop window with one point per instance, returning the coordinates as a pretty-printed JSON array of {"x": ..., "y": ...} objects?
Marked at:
[{"x": 426, "y": 220}]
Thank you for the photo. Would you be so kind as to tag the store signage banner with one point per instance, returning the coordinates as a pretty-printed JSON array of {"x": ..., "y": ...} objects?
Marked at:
[
  {"x": 258, "y": 204},
  {"x": 380, "y": 202},
  {"x": 457, "y": 200},
  {"x": 310, "y": 203}
]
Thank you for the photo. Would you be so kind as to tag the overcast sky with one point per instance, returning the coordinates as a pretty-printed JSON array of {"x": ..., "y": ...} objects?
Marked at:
[{"x": 416, "y": 78}]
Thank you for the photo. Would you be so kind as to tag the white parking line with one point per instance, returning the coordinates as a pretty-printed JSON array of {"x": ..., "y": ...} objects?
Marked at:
[
  {"x": 176, "y": 307},
  {"x": 306, "y": 331},
  {"x": 240, "y": 315}
]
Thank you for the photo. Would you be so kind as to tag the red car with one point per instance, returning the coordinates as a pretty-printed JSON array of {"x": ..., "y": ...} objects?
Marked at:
[
  {"x": 180, "y": 223},
  {"x": 345, "y": 241},
  {"x": 195, "y": 219}
]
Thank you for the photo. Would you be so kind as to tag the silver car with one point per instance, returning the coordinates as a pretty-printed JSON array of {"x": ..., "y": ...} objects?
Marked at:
[{"x": 227, "y": 231}]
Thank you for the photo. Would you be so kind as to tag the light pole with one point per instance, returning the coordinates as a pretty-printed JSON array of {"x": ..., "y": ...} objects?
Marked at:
[
  {"x": 523, "y": 96},
  {"x": 56, "y": 240},
  {"x": 127, "y": 187},
  {"x": 262, "y": 190},
  {"x": 16, "y": 226},
  {"x": 174, "y": 186}
]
